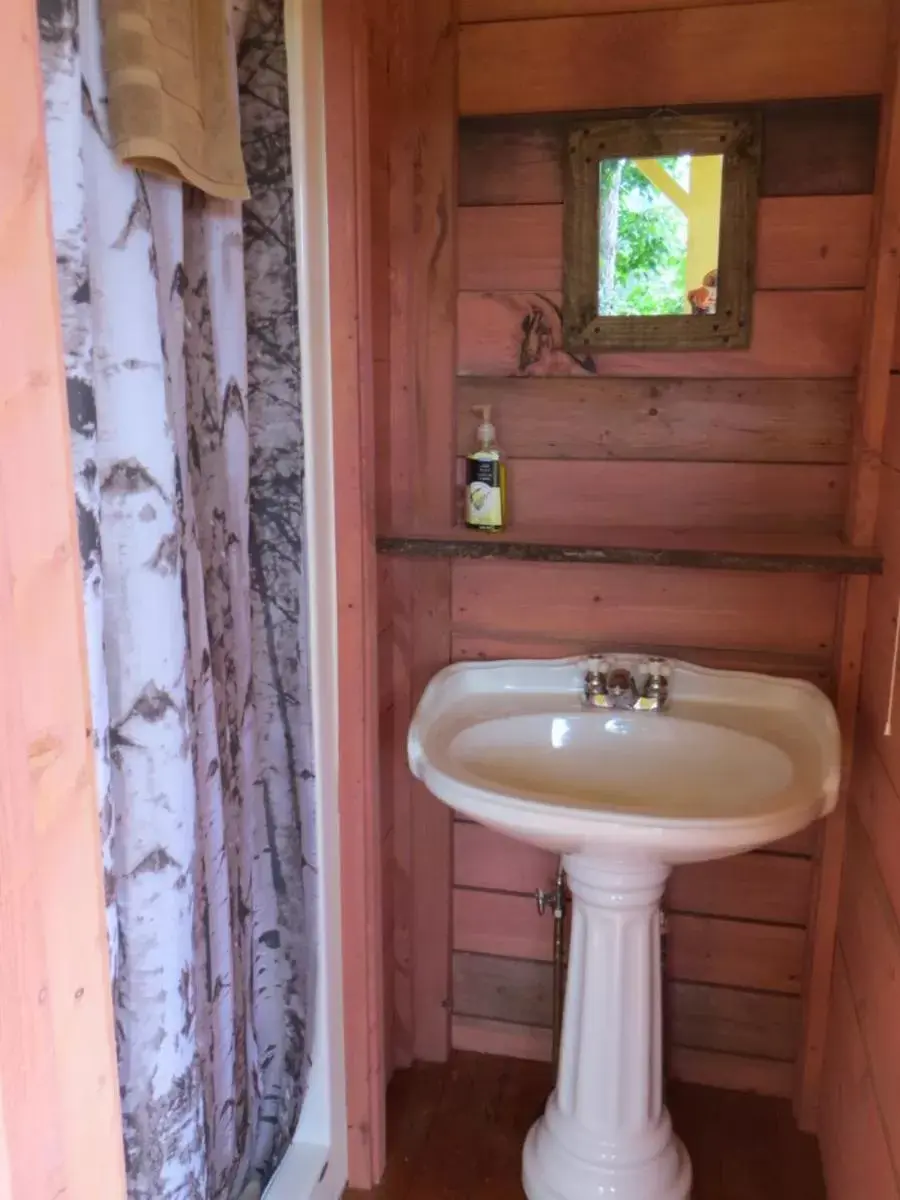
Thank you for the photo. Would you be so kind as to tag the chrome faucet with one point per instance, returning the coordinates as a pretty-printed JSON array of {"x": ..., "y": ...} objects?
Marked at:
[
  {"x": 621, "y": 688},
  {"x": 615, "y": 687},
  {"x": 595, "y": 683},
  {"x": 655, "y": 692}
]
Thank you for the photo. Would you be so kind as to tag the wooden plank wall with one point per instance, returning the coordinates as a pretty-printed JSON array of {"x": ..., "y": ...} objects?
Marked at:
[
  {"x": 765, "y": 431},
  {"x": 859, "y": 1125},
  {"x": 754, "y": 440}
]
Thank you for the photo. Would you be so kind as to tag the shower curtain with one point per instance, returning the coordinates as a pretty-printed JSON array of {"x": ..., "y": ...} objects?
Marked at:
[{"x": 181, "y": 349}]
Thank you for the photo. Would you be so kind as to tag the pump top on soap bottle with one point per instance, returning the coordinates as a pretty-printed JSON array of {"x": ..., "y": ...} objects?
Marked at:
[
  {"x": 487, "y": 434},
  {"x": 486, "y": 479}
]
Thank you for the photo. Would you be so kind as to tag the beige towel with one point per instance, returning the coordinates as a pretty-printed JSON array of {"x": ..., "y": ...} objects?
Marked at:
[{"x": 172, "y": 91}]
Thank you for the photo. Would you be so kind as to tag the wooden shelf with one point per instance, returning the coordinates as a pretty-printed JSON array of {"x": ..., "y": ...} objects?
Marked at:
[{"x": 724, "y": 550}]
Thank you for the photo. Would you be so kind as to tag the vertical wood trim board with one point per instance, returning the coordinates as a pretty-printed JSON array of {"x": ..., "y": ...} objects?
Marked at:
[
  {"x": 401, "y": 847},
  {"x": 60, "y": 1119},
  {"x": 879, "y": 320},
  {"x": 379, "y": 127},
  {"x": 400, "y": 463},
  {"x": 31, "y": 1118},
  {"x": 428, "y": 334},
  {"x": 434, "y": 321},
  {"x": 827, "y": 884},
  {"x": 422, "y": 42},
  {"x": 345, "y": 49},
  {"x": 432, "y": 834}
]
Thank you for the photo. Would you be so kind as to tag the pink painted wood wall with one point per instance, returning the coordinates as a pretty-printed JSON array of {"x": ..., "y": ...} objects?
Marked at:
[
  {"x": 859, "y": 1124},
  {"x": 468, "y": 204}
]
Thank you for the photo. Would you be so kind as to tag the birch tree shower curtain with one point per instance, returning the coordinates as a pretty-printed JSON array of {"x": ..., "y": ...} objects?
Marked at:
[{"x": 182, "y": 363}]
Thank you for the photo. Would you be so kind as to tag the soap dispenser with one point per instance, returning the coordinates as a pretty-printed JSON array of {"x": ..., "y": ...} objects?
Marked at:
[{"x": 486, "y": 479}]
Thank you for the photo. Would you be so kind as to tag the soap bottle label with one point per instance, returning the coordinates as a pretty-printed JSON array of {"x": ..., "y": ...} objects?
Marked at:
[{"x": 484, "y": 493}]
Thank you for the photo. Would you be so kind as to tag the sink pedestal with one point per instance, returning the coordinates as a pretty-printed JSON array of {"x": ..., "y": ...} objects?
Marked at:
[{"x": 605, "y": 1134}]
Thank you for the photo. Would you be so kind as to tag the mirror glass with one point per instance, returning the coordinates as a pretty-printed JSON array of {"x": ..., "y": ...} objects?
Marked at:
[{"x": 658, "y": 235}]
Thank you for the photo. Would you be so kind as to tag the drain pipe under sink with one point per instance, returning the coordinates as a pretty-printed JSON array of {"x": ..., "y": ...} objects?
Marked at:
[{"x": 556, "y": 902}]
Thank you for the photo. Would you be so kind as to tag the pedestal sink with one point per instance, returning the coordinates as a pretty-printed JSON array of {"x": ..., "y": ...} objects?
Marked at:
[{"x": 733, "y": 762}]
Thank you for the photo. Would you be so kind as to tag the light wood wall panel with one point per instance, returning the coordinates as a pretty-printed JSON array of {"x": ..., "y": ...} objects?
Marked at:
[
  {"x": 859, "y": 1117},
  {"x": 803, "y": 242},
  {"x": 711, "y": 1068},
  {"x": 482, "y": 644},
  {"x": 813, "y": 334},
  {"x": 809, "y": 148},
  {"x": 505, "y": 989},
  {"x": 740, "y": 1073},
  {"x": 774, "y": 497},
  {"x": 711, "y": 55},
  {"x": 769, "y": 884},
  {"x": 721, "y": 420},
  {"x": 820, "y": 147},
  {"x": 506, "y": 1038},
  {"x": 483, "y": 858},
  {"x": 763, "y": 1024},
  {"x": 791, "y": 614},
  {"x": 701, "y": 948},
  {"x": 492, "y": 992},
  {"x": 472, "y": 11},
  {"x": 736, "y": 953},
  {"x": 852, "y": 1132},
  {"x": 869, "y": 937},
  {"x": 754, "y": 887}
]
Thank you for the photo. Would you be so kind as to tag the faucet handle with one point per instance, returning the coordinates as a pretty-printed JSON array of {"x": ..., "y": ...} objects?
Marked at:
[
  {"x": 655, "y": 692},
  {"x": 656, "y": 667},
  {"x": 595, "y": 682}
]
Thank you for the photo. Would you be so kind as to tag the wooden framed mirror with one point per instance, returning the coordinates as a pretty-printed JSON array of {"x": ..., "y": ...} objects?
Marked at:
[{"x": 660, "y": 232}]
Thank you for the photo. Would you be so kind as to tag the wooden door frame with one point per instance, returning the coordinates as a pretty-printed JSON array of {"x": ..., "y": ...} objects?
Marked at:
[
  {"x": 345, "y": 46},
  {"x": 60, "y": 1120}
]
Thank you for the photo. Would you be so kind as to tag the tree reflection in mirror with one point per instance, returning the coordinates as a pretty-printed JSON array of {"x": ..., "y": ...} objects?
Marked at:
[{"x": 659, "y": 223}]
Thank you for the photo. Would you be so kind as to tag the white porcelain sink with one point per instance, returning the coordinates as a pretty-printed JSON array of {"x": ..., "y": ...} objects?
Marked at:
[{"x": 734, "y": 761}]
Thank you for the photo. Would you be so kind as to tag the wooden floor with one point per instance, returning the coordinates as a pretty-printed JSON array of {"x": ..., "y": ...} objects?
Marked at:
[{"x": 455, "y": 1132}]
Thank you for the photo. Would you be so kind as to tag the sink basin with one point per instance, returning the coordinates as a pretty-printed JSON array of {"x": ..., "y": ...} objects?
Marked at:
[{"x": 734, "y": 761}]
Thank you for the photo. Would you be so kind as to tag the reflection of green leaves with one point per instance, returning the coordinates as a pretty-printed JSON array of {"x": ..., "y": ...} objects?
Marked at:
[{"x": 648, "y": 245}]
